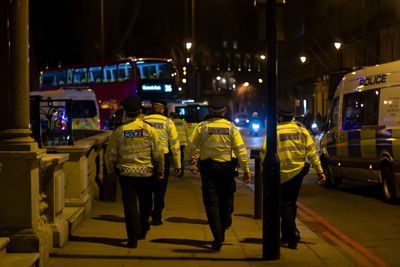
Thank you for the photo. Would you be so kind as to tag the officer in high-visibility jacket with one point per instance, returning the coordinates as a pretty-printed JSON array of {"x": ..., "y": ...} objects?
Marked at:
[
  {"x": 131, "y": 151},
  {"x": 216, "y": 138},
  {"x": 183, "y": 133},
  {"x": 294, "y": 144},
  {"x": 168, "y": 136}
]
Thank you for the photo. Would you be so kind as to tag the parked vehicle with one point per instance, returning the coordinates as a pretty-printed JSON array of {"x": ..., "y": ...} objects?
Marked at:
[
  {"x": 362, "y": 141},
  {"x": 85, "y": 111}
]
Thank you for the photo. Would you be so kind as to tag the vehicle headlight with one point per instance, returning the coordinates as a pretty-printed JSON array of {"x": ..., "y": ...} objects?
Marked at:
[
  {"x": 236, "y": 120},
  {"x": 255, "y": 126},
  {"x": 314, "y": 125},
  {"x": 247, "y": 121}
]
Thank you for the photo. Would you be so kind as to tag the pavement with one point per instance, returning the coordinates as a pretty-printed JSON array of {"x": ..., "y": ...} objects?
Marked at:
[{"x": 184, "y": 239}]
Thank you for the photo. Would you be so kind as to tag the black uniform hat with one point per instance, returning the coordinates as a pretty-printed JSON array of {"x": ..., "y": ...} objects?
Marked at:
[
  {"x": 132, "y": 104},
  {"x": 159, "y": 102},
  {"x": 285, "y": 106},
  {"x": 218, "y": 103}
]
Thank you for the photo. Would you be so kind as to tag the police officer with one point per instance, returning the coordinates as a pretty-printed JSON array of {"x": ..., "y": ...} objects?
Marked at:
[
  {"x": 132, "y": 149},
  {"x": 183, "y": 134},
  {"x": 294, "y": 144},
  {"x": 168, "y": 136},
  {"x": 216, "y": 138}
]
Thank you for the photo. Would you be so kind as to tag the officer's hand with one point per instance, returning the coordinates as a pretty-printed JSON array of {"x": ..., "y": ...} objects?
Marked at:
[
  {"x": 160, "y": 176},
  {"x": 195, "y": 173},
  {"x": 192, "y": 161},
  {"x": 246, "y": 178},
  {"x": 111, "y": 176},
  {"x": 321, "y": 178},
  {"x": 177, "y": 172}
]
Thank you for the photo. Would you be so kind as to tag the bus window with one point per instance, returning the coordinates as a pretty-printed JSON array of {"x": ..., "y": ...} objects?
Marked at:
[
  {"x": 94, "y": 74},
  {"x": 109, "y": 73},
  {"x": 80, "y": 76},
  {"x": 70, "y": 76},
  {"x": 124, "y": 71},
  {"x": 47, "y": 79},
  {"x": 60, "y": 77}
]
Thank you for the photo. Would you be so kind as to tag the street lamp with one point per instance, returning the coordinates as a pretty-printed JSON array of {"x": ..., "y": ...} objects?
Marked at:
[
  {"x": 262, "y": 57},
  {"x": 303, "y": 59},
  {"x": 337, "y": 45},
  {"x": 188, "y": 45}
]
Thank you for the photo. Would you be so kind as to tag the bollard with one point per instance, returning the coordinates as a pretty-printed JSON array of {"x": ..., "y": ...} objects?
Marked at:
[{"x": 255, "y": 154}]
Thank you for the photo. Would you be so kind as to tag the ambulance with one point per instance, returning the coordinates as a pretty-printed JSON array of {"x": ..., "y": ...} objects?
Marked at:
[
  {"x": 85, "y": 111},
  {"x": 362, "y": 141}
]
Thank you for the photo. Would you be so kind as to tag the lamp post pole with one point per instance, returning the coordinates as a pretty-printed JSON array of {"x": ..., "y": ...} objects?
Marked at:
[{"x": 271, "y": 177}]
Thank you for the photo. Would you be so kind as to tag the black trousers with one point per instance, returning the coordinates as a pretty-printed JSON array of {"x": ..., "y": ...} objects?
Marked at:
[
  {"x": 159, "y": 190},
  {"x": 218, "y": 186},
  {"x": 134, "y": 190},
  {"x": 289, "y": 194}
]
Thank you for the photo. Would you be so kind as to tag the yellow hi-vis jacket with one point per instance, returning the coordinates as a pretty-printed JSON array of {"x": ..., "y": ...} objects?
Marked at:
[
  {"x": 216, "y": 138},
  {"x": 133, "y": 148},
  {"x": 294, "y": 144},
  {"x": 181, "y": 127},
  {"x": 168, "y": 135}
]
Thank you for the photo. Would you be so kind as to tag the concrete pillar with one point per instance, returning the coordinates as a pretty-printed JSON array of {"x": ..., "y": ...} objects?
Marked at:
[{"x": 19, "y": 153}]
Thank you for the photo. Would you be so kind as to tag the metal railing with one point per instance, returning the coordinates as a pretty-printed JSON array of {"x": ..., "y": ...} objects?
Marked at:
[{"x": 51, "y": 121}]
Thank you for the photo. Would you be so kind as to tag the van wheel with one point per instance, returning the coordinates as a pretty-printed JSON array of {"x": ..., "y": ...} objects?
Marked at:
[
  {"x": 331, "y": 180},
  {"x": 388, "y": 185}
]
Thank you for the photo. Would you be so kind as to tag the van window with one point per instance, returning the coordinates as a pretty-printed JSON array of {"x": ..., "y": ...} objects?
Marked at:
[
  {"x": 84, "y": 109},
  {"x": 94, "y": 75},
  {"x": 333, "y": 114},
  {"x": 351, "y": 111},
  {"x": 370, "y": 107},
  {"x": 47, "y": 79}
]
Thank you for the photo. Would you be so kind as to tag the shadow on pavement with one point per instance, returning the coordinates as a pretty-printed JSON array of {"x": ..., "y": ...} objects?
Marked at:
[
  {"x": 244, "y": 215},
  {"x": 254, "y": 240},
  {"x": 186, "y": 220},
  {"x": 110, "y": 218},
  {"x": 184, "y": 242},
  {"x": 102, "y": 240}
]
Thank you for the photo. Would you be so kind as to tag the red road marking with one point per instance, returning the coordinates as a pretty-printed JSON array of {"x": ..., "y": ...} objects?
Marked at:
[{"x": 357, "y": 251}]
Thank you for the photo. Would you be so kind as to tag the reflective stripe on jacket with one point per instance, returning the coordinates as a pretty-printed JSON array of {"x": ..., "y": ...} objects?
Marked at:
[
  {"x": 294, "y": 144},
  {"x": 168, "y": 135},
  {"x": 132, "y": 149},
  {"x": 181, "y": 127},
  {"x": 217, "y": 138}
]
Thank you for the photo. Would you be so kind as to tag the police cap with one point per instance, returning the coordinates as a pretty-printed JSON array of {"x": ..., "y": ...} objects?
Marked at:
[
  {"x": 285, "y": 106},
  {"x": 159, "y": 102},
  {"x": 132, "y": 104},
  {"x": 218, "y": 103}
]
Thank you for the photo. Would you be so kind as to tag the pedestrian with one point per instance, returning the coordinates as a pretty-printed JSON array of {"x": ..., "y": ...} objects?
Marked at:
[
  {"x": 183, "y": 134},
  {"x": 131, "y": 151},
  {"x": 168, "y": 136},
  {"x": 294, "y": 144},
  {"x": 215, "y": 138}
]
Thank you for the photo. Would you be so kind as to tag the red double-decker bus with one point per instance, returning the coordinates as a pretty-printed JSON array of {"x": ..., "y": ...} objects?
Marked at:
[{"x": 112, "y": 81}]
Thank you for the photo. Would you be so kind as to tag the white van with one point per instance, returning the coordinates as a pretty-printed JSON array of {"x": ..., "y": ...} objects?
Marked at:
[
  {"x": 85, "y": 111},
  {"x": 362, "y": 141}
]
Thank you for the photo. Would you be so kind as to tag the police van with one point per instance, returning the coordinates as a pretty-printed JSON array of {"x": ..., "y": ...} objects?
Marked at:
[
  {"x": 85, "y": 110},
  {"x": 362, "y": 141}
]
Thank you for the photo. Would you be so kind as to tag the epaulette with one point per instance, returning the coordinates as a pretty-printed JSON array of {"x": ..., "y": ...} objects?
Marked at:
[
  {"x": 147, "y": 123},
  {"x": 300, "y": 124}
]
